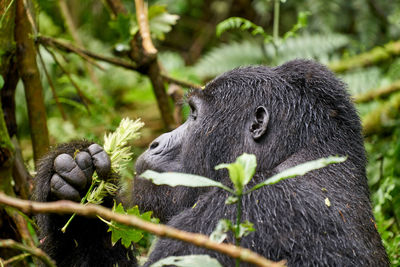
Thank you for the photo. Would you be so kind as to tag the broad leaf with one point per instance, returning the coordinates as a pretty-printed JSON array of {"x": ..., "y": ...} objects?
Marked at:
[
  {"x": 1, "y": 82},
  {"x": 299, "y": 170},
  {"x": 236, "y": 174},
  {"x": 181, "y": 179},
  {"x": 249, "y": 163},
  {"x": 188, "y": 261},
  {"x": 127, "y": 234},
  {"x": 160, "y": 21},
  {"x": 241, "y": 171}
]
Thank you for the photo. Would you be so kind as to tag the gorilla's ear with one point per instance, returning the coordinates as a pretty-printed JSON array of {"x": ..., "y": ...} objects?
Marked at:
[{"x": 259, "y": 124}]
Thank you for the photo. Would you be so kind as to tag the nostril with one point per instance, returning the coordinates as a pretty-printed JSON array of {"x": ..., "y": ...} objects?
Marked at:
[{"x": 154, "y": 145}]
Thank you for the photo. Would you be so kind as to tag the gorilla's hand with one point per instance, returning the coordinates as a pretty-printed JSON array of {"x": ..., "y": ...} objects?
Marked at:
[{"x": 73, "y": 177}]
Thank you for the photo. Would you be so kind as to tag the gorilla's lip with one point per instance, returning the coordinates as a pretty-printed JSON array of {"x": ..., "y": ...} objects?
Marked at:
[{"x": 143, "y": 165}]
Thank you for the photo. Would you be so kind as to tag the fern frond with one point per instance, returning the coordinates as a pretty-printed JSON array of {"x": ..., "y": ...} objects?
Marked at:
[
  {"x": 240, "y": 23},
  {"x": 229, "y": 56},
  {"x": 232, "y": 55},
  {"x": 317, "y": 46},
  {"x": 362, "y": 81}
]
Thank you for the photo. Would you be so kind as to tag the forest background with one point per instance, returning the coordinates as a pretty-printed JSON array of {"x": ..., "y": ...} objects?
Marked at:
[{"x": 71, "y": 69}]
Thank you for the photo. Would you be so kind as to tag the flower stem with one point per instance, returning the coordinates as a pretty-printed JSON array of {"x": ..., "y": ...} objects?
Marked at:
[
  {"x": 83, "y": 200},
  {"x": 237, "y": 226}
]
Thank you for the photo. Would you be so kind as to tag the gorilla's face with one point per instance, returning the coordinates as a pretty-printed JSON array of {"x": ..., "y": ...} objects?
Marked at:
[
  {"x": 165, "y": 153},
  {"x": 175, "y": 151}
]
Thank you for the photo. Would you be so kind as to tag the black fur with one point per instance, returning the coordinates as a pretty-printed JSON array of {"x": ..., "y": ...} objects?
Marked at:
[{"x": 310, "y": 116}]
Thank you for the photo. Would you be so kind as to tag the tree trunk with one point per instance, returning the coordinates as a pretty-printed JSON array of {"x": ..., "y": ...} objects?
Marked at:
[{"x": 28, "y": 70}]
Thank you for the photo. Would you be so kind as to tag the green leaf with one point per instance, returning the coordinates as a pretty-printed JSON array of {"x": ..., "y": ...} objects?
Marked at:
[
  {"x": 181, "y": 179},
  {"x": 245, "y": 229},
  {"x": 249, "y": 164},
  {"x": 188, "y": 261},
  {"x": 241, "y": 171},
  {"x": 300, "y": 169},
  {"x": 236, "y": 174},
  {"x": 124, "y": 25},
  {"x": 219, "y": 234},
  {"x": 242, "y": 24},
  {"x": 1, "y": 82},
  {"x": 160, "y": 21},
  {"x": 127, "y": 234}
]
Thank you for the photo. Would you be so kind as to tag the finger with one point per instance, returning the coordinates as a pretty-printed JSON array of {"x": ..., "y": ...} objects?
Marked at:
[
  {"x": 85, "y": 163},
  {"x": 67, "y": 168},
  {"x": 62, "y": 190},
  {"x": 101, "y": 160}
]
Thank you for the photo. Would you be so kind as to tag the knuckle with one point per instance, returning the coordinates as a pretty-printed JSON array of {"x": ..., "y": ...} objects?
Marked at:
[
  {"x": 64, "y": 163},
  {"x": 84, "y": 160},
  {"x": 95, "y": 149}
]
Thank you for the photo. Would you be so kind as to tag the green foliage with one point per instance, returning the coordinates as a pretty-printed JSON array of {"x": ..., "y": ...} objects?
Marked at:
[
  {"x": 246, "y": 25},
  {"x": 302, "y": 21},
  {"x": 127, "y": 234},
  {"x": 180, "y": 179},
  {"x": 241, "y": 171},
  {"x": 5, "y": 12},
  {"x": 124, "y": 26},
  {"x": 224, "y": 226},
  {"x": 160, "y": 23},
  {"x": 219, "y": 234},
  {"x": 242, "y": 24},
  {"x": 300, "y": 169},
  {"x": 245, "y": 228},
  {"x": 384, "y": 180},
  {"x": 235, "y": 54},
  {"x": 1, "y": 82},
  {"x": 188, "y": 261}
]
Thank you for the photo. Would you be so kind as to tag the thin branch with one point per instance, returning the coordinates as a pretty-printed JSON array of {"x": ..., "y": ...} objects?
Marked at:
[
  {"x": 116, "y": 7},
  {"x": 60, "y": 45},
  {"x": 15, "y": 259},
  {"x": 185, "y": 84},
  {"x": 380, "y": 92},
  {"x": 90, "y": 210},
  {"x": 37, "y": 252},
  {"x": 78, "y": 90},
  {"x": 48, "y": 41},
  {"x": 75, "y": 36},
  {"x": 144, "y": 29},
  {"x": 53, "y": 89}
]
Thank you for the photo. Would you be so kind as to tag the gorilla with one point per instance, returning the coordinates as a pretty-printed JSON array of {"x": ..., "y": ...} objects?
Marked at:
[{"x": 285, "y": 115}]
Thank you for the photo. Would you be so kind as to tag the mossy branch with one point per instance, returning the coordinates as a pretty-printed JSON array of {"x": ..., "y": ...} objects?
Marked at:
[
  {"x": 372, "y": 57},
  {"x": 380, "y": 92}
]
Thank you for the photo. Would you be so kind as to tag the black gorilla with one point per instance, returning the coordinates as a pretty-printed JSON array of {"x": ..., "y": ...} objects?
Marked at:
[{"x": 285, "y": 116}]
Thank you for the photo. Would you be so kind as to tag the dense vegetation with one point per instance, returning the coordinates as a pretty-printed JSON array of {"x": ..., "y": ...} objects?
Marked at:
[{"x": 84, "y": 97}]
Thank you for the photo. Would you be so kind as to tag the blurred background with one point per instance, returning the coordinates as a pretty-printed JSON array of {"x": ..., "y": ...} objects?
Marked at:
[{"x": 86, "y": 67}]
